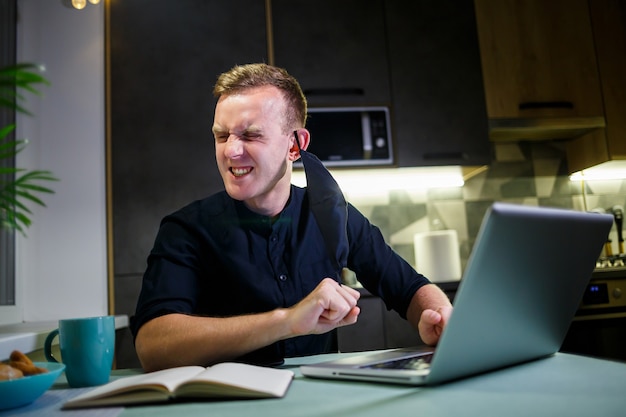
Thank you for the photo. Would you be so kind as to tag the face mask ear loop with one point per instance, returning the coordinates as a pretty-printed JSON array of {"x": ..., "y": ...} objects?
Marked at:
[{"x": 295, "y": 133}]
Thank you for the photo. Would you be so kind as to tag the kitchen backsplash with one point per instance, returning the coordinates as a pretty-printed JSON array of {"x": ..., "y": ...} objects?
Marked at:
[{"x": 523, "y": 173}]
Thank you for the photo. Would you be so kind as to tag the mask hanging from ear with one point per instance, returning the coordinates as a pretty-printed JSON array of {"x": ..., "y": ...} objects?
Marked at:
[{"x": 330, "y": 210}]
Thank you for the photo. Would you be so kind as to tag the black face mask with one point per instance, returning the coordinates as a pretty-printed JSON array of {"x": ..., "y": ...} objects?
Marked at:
[{"x": 328, "y": 206}]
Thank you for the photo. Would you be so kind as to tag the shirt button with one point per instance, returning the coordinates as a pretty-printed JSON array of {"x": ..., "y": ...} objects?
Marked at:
[
  {"x": 283, "y": 277},
  {"x": 274, "y": 238}
]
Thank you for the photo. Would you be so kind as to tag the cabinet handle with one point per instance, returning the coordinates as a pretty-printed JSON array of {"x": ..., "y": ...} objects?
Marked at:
[
  {"x": 348, "y": 91},
  {"x": 446, "y": 155},
  {"x": 529, "y": 105}
]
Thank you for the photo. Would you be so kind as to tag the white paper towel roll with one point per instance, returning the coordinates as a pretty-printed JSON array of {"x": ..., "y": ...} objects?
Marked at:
[{"x": 437, "y": 255}]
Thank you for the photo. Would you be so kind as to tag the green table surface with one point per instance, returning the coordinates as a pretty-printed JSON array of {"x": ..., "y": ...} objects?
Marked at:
[{"x": 560, "y": 385}]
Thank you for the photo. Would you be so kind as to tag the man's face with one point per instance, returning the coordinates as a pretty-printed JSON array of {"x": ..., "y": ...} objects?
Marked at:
[{"x": 252, "y": 151}]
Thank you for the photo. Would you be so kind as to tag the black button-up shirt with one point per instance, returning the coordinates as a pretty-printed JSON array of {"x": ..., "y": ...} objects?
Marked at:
[{"x": 216, "y": 258}]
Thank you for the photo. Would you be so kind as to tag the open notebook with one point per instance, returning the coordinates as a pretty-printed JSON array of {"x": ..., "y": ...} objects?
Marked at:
[{"x": 520, "y": 290}]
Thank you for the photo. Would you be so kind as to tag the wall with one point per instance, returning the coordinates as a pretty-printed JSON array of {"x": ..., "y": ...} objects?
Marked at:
[
  {"x": 525, "y": 173},
  {"x": 62, "y": 270}
]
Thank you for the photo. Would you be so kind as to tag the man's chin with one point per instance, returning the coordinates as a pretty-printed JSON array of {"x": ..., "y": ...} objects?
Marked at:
[{"x": 236, "y": 193}]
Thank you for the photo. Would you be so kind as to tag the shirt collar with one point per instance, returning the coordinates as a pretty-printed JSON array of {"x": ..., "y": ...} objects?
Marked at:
[{"x": 264, "y": 224}]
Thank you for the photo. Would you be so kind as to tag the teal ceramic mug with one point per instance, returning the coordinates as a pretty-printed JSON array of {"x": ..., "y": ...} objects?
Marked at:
[{"x": 87, "y": 347}]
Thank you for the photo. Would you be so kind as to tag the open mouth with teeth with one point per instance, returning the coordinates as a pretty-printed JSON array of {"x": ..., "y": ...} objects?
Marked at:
[{"x": 240, "y": 172}]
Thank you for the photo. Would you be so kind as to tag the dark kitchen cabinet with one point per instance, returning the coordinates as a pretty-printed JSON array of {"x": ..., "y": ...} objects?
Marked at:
[
  {"x": 368, "y": 333},
  {"x": 379, "y": 328},
  {"x": 438, "y": 103},
  {"x": 165, "y": 57},
  {"x": 336, "y": 49},
  {"x": 376, "y": 328},
  {"x": 419, "y": 57}
]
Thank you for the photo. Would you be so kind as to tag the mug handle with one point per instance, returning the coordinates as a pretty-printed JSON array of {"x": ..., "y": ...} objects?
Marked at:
[{"x": 48, "y": 345}]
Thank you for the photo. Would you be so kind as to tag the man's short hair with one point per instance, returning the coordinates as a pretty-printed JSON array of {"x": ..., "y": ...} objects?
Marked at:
[{"x": 244, "y": 77}]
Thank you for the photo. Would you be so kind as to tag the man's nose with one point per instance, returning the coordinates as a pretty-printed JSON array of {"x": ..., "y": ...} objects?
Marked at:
[{"x": 234, "y": 147}]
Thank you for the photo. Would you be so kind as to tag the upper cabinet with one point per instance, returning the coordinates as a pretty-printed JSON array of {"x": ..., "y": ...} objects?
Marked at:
[
  {"x": 438, "y": 112},
  {"x": 540, "y": 70},
  {"x": 418, "y": 57},
  {"x": 609, "y": 27},
  {"x": 336, "y": 49}
]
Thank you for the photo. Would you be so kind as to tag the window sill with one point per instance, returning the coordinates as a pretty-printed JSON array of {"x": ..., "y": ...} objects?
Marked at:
[{"x": 29, "y": 337}]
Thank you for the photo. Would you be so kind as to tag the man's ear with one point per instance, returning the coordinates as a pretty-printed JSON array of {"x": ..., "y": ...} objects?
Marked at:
[{"x": 304, "y": 138}]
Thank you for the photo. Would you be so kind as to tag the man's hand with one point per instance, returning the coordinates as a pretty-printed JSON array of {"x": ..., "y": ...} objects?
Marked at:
[
  {"x": 328, "y": 306},
  {"x": 432, "y": 323}
]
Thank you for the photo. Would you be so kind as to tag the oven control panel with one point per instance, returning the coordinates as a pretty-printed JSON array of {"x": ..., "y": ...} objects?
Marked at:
[{"x": 605, "y": 295}]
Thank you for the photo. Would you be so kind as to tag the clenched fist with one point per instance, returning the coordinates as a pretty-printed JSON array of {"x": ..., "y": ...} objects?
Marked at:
[{"x": 328, "y": 306}]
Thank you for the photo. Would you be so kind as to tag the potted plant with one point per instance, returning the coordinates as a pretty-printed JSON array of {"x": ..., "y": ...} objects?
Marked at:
[{"x": 18, "y": 186}]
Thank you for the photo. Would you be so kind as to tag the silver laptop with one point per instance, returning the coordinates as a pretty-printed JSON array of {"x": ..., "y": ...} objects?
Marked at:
[{"x": 519, "y": 293}]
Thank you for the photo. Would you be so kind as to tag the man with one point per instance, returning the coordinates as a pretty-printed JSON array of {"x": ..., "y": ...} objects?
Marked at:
[{"x": 245, "y": 274}]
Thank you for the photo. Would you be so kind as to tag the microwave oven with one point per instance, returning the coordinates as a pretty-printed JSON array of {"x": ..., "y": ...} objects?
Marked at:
[{"x": 350, "y": 136}]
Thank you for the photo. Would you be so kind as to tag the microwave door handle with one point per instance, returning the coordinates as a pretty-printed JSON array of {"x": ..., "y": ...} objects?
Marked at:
[{"x": 367, "y": 135}]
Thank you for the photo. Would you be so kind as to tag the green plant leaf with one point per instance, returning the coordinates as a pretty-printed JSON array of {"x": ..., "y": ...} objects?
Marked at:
[
  {"x": 19, "y": 186},
  {"x": 5, "y": 131},
  {"x": 16, "y": 78}
]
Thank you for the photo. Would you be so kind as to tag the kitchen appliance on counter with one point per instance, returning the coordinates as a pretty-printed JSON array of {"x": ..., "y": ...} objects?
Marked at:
[
  {"x": 437, "y": 255},
  {"x": 599, "y": 327}
]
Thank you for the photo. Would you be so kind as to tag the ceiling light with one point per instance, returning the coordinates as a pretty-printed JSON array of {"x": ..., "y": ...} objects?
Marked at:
[{"x": 78, "y": 4}]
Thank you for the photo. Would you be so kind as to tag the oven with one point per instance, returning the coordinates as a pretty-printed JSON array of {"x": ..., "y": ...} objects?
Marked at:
[{"x": 599, "y": 327}]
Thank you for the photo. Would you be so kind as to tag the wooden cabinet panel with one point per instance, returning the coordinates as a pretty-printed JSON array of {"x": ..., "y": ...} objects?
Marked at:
[
  {"x": 438, "y": 111},
  {"x": 609, "y": 27},
  {"x": 538, "y": 58},
  {"x": 336, "y": 49}
]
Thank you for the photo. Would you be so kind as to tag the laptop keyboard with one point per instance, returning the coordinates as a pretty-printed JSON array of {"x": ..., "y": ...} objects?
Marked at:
[{"x": 414, "y": 363}]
